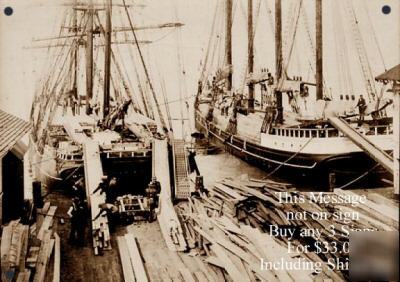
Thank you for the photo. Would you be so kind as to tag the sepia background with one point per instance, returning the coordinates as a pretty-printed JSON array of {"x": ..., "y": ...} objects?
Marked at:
[{"x": 176, "y": 55}]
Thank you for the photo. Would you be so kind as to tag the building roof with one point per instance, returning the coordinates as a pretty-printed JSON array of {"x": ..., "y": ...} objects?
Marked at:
[
  {"x": 392, "y": 74},
  {"x": 12, "y": 129}
]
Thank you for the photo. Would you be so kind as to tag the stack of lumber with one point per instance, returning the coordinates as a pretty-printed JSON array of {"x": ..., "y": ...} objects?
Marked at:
[
  {"x": 26, "y": 251},
  {"x": 231, "y": 224},
  {"x": 170, "y": 226},
  {"x": 236, "y": 248},
  {"x": 131, "y": 259},
  {"x": 14, "y": 247},
  {"x": 93, "y": 175}
]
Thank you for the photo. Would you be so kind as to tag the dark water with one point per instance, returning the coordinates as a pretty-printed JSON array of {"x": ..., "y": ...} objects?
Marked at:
[
  {"x": 218, "y": 166},
  {"x": 222, "y": 165}
]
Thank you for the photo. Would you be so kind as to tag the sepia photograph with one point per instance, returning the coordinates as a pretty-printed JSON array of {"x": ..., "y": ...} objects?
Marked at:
[{"x": 199, "y": 140}]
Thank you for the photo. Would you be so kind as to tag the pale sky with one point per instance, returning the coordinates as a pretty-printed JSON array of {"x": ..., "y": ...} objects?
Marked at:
[{"x": 21, "y": 68}]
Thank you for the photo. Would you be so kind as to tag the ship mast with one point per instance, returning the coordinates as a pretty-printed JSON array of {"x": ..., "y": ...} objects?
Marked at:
[
  {"x": 250, "y": 50},
  {"x": 89, "y": 57},
  {"x": 75, "y": 51},
  {"x": 107, "y": 64},
  {"x": 278, "y": 58},
  {"x": 319, "y": 59},
  {"x": 228, "y": 42}
]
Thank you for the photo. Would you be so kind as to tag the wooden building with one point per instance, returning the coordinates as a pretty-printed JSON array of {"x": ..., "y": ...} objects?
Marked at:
[
  {"x": 12, "y": 151},
  {"x": 393, "y": 76}
]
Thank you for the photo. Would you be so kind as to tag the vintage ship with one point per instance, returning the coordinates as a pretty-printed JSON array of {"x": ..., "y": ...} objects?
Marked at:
[
  {"x": 294, "y": 125},
  {"x": 105, "y": 127},
  {"x": 88, "y": 94}
]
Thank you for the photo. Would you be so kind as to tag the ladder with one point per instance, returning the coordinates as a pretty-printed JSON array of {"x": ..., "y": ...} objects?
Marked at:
[
  {"x": 182, "y": 186},
  {"x": 361, "y": 51}
]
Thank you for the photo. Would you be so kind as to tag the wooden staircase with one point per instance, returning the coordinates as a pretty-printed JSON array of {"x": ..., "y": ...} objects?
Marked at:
[{"x": 182, "y": 187}]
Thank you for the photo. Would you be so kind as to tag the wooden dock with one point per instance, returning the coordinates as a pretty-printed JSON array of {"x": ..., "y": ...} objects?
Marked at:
[
  {"x": 93, "y": 175},
  {"x": 167, "y": 217}
]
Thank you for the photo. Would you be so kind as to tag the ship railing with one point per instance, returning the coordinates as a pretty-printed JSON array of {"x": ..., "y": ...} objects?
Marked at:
[
  {"x": 380, "y": 130},
  {"x": 326, "y": 132},
  {"x": 126, "y": 153},
  {"x": 69, "y": 156}
]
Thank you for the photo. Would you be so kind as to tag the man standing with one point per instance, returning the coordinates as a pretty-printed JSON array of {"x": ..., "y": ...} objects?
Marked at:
[
  {"x": 78, "y": 189},
  {"x": 78, "y": 215},
  {"x": 362, "y": 106},
  {"x": 112, "y": 191}
]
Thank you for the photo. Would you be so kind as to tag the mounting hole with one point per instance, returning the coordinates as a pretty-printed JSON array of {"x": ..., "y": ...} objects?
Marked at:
[
  {"x": 8, "y": 11},
  {"x": 386, "y": 9}
]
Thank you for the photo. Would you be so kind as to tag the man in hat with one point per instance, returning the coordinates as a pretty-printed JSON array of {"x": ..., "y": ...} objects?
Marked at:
[
  {"x": 78, "y": 215},
  {"x": 362, "y": 106}
]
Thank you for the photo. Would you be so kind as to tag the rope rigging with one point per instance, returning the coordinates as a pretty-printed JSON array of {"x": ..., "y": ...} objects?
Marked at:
[
  {"x": 245, "y": 72},
  {"x": 374, "y": 34},
  {"x": 203, "y": 77},
  {"x": 160, "y": 115},
  {"x": 344, "y": 75},
  {"x": 290, "y": 51},
  {"x": 182, "y": 79},
  {"x": 361, "y": 51}
]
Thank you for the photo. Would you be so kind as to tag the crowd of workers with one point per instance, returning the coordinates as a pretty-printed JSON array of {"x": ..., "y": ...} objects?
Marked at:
[{"x": 79, "y": 214}]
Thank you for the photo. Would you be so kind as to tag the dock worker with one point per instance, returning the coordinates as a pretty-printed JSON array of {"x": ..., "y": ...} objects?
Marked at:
[
  {"x": 362, "y": 106},
  {"x": 173, "y": 229},
  {"x": 199, "y": 87},
  {"x": 112, "y": 191},
  {"x": 102, "y": 187},
  {"x": 270, "y": 79},
  {"x": 109, "y": 188},
  {"x": 78, "y": 215},
  {"x": 109, "y": 210},
  {"x": 78, "y": 189},
  {"x": 152, "y": 192}
]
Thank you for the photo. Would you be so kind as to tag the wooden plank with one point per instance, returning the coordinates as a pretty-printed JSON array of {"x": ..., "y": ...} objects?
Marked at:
[
  {"x": 24, "y": 276},
  {"x": 251, "y": 260},
  {"x": 200, "y": 276},
  {"x": 41, "y": 215},
  {"x": 167, "y": 218},
  {"x": 93, "y": 175},
  {"x": 271, "y": 253},
  {"x": 379, "y": 199},
  {"x": 228, "y": 265},
  {"x": 48, "y": 222},
  {"x": 229, "y": 191},
  {"x": 390, "y": 213},
  {"x": 215, "y": 261},
  {"x": 24, "y": 248},
  {"x": 125, "y": 259},
  {"x": 5, "y": 249},
  {"x": 252, "y": 191},
  {"x": 136, "y": 259},
  {"x": 43, "y": 258},
  {"x": 57, "y": 246},
  {"x": 16, "y": 245}
]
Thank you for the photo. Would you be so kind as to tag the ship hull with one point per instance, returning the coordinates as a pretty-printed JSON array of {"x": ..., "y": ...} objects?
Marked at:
[{"x": 303, "y": 168}]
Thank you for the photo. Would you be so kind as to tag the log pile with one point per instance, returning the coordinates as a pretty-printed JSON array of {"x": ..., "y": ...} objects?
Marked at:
[
  {"x": 14, "y": 244},
  {"x": 26, "y": 250},
  {"x": 231, "y": 227}
]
